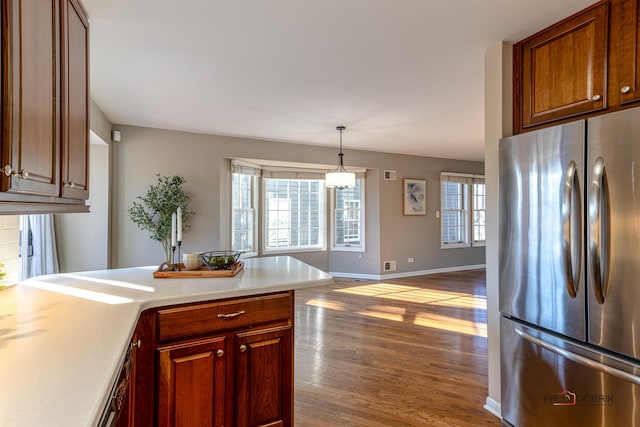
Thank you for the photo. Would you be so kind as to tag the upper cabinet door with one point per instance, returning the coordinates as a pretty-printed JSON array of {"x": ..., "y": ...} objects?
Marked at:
[
  {"x": 564, "y": 68},
  {"x": 30, "y": 86},
  {"x": 629, "y": 56},
  {"x": 75, "y": 100}
]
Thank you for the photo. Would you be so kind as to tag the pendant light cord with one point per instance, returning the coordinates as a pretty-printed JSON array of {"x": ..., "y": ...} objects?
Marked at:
[{"x": 340, "y": 155}]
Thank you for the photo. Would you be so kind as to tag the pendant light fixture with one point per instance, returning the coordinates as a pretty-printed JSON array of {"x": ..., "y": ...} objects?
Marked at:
[{"x": 339, "y": 177}]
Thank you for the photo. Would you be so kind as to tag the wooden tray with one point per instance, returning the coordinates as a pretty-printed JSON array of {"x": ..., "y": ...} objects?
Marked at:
[{"x": 163, "y": 272}]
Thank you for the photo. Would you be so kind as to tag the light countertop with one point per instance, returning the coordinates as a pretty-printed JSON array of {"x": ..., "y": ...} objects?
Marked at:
[{"x": 63, "y": 336}]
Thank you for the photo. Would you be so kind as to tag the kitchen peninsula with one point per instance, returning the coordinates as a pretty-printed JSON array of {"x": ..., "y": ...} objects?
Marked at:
[{"x": 64, "y": 339}]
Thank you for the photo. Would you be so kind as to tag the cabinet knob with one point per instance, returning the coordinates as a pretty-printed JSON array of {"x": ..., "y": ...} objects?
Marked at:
[
  {"x": 243, "y": 348},
  {"x": 220, "y": 353},
  {"x": 70, "y": 184},
  {"x": 596, "y": 98},
  {"x": 136, "y": 344},
  {"x": 10, "y": 172},
  {"x": 625, "y": 89}
]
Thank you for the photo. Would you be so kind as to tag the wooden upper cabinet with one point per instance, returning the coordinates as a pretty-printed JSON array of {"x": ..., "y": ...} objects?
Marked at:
[
  {"x": 75, "y": 100},
  {"x": 31, "y": 88},
  {"x": 629, "y": 57},
  {"x": 562, "y": 71}
]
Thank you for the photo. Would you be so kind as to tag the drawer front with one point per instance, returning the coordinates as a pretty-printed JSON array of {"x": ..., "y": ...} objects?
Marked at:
[{"x": 201, "y": 319}]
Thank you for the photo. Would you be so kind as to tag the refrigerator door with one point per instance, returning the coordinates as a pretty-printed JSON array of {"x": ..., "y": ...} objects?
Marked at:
[
  {"x": 551, "y": 382},
  {"x": 541, "y": 228},
  {"x": 613, "y": 231}
]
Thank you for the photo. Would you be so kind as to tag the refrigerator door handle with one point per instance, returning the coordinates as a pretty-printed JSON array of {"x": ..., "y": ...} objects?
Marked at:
[
  {"x": 571, "y": 228},
  {"x": 578, "y": 358},
  {"x": 599, "y": 224}
]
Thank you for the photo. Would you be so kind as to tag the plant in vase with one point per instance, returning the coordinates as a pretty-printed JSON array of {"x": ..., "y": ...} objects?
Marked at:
[{"x": 153, "y": 211}]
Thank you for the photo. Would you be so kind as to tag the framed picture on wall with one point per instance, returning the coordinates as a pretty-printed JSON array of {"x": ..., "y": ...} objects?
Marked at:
[{"x": 414, "y": 196}]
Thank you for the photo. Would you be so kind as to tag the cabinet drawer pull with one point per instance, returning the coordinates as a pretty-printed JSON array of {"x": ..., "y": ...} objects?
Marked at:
[
  {"x": 625, "y": 89},
  {"x": 243, "y": 348},
  {"x": 10, "y": 172},
  {"x": 231, "y": 315},
  {"x": 596, "y": 97}
]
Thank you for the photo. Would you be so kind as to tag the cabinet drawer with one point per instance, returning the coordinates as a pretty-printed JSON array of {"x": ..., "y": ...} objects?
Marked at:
[{"x": 200, "y": 319}]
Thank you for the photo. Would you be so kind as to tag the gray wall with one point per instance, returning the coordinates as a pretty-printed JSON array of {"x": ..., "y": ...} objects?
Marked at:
[
  {"x": 203, "y": 161},
  {"x": 82, "y": 239},
  {"x": 98, "y": 122}
]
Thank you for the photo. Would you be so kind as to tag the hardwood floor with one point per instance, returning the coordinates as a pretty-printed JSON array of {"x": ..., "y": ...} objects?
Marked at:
[{"x": 401, "y": 352}]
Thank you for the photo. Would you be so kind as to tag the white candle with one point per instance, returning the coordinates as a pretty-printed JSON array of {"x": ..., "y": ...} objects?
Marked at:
[
  {"x": 179, "y": 214},
  {"x": 173, "y": 229}
]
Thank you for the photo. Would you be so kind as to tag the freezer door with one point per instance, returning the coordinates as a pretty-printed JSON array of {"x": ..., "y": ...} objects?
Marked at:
[
  {"x": 613, "y": 231},
  {"x": 551, "y": 382},
  {"x": 541, "y": 228}
]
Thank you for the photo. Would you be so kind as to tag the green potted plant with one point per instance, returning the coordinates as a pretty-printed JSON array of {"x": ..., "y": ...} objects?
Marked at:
[{"x": 152, "y": 212}]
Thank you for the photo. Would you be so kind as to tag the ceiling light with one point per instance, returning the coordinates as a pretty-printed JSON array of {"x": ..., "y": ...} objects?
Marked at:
[{"x": 339, "y": 177}]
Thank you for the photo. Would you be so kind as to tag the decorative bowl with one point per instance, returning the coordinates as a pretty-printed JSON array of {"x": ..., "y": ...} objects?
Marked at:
[{"x": 220, "y": 260}]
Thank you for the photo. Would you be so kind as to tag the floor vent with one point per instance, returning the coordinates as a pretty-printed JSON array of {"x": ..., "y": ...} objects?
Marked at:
[{"x": 389, "y": 266}]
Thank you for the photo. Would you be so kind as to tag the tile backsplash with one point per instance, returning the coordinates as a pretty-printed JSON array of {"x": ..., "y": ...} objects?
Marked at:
[{"x": 10, "y": 245}]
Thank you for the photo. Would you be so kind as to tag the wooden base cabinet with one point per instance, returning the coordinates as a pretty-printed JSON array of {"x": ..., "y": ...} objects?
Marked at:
[
  {"x": 225, "y": 363},
  {"x": 192, "y": 386},
  {"x": 264, "y": 378}
]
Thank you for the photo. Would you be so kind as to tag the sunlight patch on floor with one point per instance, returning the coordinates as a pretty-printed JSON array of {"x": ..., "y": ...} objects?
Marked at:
[
  {"x": 434, "y": 321},
  {"x": 427, "y": 297},
  {"x": 332, "y": 305},
  {"x": 419, "y": 295}
]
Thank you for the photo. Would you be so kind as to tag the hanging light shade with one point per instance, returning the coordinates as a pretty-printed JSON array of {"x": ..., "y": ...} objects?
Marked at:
[{"x": 339, "y": 177}]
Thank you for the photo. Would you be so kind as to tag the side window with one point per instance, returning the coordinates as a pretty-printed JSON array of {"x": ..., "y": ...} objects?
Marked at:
[
  {"x": 348, "y": 218},
  {"x": 243, "y": 218},
  {"x": 463, "y": 210},
  {"x": 479, "y": 212}
]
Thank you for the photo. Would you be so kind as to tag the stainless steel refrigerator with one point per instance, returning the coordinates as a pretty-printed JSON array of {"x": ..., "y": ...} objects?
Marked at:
[{"x": 570, "y": 274}]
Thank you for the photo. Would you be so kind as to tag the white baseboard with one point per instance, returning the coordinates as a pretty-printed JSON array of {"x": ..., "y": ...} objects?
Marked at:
[
  {"x": 406, "y": 273},
  {"x": 492, "y": 406}
]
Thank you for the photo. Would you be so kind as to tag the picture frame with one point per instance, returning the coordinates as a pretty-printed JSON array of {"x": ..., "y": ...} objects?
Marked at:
[{"x": 414, "y": 196}]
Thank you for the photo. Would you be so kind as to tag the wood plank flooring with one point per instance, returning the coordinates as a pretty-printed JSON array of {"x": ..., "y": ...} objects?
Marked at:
[{"x": 400, "y": 352}]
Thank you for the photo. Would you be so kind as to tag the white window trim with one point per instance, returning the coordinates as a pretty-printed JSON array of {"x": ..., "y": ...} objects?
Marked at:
[
  {"x": 468, "y": 180},
  {"x": 291, "y": 249},
  {"x": 332, "y": 230},
  {"x": 254, "y": 201}
]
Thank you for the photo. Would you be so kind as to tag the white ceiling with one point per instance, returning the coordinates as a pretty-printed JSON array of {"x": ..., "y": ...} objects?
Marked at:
[{"x": 404, "y": 76}]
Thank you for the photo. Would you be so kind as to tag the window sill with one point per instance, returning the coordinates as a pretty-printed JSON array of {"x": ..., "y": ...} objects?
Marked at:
[
  {"x": 291, "y": 251},
  {"x": 347, "y": 249}
]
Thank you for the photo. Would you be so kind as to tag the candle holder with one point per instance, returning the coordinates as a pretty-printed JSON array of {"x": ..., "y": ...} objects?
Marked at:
[
  {"x": 179, "y": 257},
  {"x": 173, "y": 258}
]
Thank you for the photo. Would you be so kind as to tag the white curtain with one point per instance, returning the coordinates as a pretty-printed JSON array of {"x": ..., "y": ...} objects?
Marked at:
[{"x": 38, "y": 253}]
